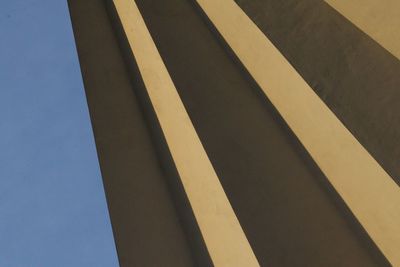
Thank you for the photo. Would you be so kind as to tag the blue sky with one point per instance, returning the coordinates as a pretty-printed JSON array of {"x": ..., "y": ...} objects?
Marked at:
[{"x": 52, "y": 205}]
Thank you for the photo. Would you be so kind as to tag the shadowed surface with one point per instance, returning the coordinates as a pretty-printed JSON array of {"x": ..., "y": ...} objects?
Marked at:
[
  {"x": 287, "y": 211},
  {"x": 356, "y": 78},
  {"x": 145, "y": 222}
]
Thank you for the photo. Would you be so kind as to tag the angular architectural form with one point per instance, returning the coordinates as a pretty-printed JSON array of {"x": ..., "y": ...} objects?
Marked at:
[{"x": 245, "y": 133}]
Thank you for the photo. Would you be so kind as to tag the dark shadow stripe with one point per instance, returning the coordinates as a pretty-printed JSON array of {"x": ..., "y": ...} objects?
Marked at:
[
  {"x": 285, "y": 206},
  {"x": 146, "y": 225},
  {"x": 357, "y": 78},
  {"x": 179, "y": 196}
]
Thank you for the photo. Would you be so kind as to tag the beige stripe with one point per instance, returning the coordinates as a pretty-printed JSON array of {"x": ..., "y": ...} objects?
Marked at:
[
  {"x": 380, "y": 19},
  {"x": 367, "y": 189},
  {"x": 223, "y": 235}
]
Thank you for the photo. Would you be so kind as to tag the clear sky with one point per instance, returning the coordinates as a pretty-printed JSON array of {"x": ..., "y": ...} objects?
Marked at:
[{"x": 53, "y": 211}]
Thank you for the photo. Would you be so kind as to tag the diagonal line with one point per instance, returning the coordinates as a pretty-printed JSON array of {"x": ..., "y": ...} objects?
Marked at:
[
  {"x": 379, "y": 19},
  {"x": 222, "y": 233},
  {"x": 369, "y": 192}
]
